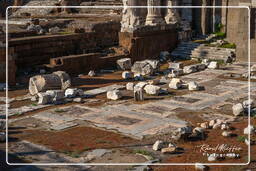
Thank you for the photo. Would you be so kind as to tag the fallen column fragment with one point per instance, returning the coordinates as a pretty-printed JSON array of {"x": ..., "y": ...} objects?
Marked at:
[{"x": 42, "y": 83}]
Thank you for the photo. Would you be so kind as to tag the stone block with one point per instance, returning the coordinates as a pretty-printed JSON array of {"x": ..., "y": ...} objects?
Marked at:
[
  {"x": 152, "y": 89},
  {"x": 127, "y": 75},
  {"x": 44, "y": 99},
  {"x": 114, "y": 95},
  {"x": 124, "y": 63},
  {"x": 176, "y": 65}
]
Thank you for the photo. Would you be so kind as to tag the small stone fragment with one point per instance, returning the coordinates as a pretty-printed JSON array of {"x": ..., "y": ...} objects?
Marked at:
[
  {"x": 140, "y": 85},
  {"x": 175, "y": 65},
  {"x": 56, "y": 94},
  {"x": 126, "y": 75},
  {"x": 206, "y": 62},
  {"x": 78, "y": 100},
  {"x": 143, "y": 68},
  {"x": 204, "y": 125},
  {"x": 249, "y": 103},
  {"x": 189, "y": 69},
  {"x": 219, "y": 121},
  {"x": 213, "y": 65},
  {"x": 73, "y": 92},
  {"x": 175, "y": 83},
  {"x": 216, "y": 126},
  {"x": 33, "y": 98},
  {"x": 238, "y": 109},
  {"x": 124, "y": 63},
  {"x": 92, "y": 73},
  {"x": 130, "y": 86},
  {"x": 175, "y": 73},
  {"x": 185, "y": 130},
  {"x": 249, "y": 129},
  {"x": 44, "y": 98},
  {"x": 247, "y": 142},
  {"x": 212, "y": 122},
  {"x": 226, "y": 134},
  {"x": 114, "y": 94},
  {"x": 253, "y": 68},
  {"x": 152, "y": 89},
  {"x": 168, "y": 150},
  {"x": 70, "y": 92},
  {"x": 193, "y": 86},
  {"x": 198, "y": 130},
  {"x": 158, "y": 145},
  {"x": 154, "y": 64},
  {"x": 224, "y": 127},
  {"x": 172, "y": 145}
]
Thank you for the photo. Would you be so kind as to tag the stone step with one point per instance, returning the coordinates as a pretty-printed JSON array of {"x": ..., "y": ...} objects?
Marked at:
[
  {"x": 212, "y": 51},
  {"x": 203, "y": 53},
  {"x": 215, "y": 49},
  {"x": 189, "y": 50}
]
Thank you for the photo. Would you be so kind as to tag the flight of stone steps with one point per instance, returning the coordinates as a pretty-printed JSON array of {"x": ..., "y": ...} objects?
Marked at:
[{"x": 188, "y": 50}]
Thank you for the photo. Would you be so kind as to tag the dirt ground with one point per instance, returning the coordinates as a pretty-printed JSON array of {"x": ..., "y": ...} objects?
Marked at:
[{"x": 77, "y": 139}]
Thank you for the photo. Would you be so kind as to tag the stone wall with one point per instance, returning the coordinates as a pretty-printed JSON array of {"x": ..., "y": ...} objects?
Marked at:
[
  {"x": 39, "y": 49},
  {"x": 237, "y": 30},
  {"x": 76, "y": 64},
  {"x": 148, "y": 45}
]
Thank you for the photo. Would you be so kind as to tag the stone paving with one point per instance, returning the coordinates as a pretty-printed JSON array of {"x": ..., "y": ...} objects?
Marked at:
[{"x": 139, "y": 120}]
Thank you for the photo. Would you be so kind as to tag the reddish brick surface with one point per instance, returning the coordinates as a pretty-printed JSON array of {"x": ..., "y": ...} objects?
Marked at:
[
  {"x": 148, "y": 46},
  {"x": 37, "y": 50}
]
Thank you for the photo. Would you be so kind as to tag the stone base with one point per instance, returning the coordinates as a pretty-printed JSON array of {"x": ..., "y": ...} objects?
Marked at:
[
  {"x": 148, "y": 42},
  {"x": 155, "y": 21}
]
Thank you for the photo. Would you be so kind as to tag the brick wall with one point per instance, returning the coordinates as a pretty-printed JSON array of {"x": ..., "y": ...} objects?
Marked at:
[
  {"x": 83, "y": 63},
  {"x": 148, "y": 45},
  {"x": 37, "y": 50},
  {"x": 40, "y": 49}
]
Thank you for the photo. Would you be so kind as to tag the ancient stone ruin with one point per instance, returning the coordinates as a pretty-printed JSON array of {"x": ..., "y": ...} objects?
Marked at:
[{"x": 124, "y": 84}]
